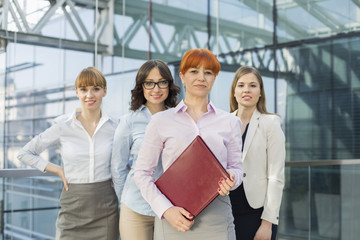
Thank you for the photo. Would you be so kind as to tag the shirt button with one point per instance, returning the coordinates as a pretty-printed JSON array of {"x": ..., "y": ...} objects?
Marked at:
[{"x": 244, "y": 175}]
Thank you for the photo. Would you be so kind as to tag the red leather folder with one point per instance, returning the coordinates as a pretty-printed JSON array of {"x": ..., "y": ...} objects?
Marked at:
[{"x": 193, "y": 179}]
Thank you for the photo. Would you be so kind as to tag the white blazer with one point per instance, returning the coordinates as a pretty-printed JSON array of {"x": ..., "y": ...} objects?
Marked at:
[{"x": 263, "y": 164}]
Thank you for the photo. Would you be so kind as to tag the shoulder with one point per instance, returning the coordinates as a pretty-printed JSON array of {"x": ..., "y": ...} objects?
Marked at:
[
  {"x": 112, "y": 121},
  {"x": 59, "y": 123},
  {"x": 140, "y": 115},
  {"x": 270, "y": 119},
  {"x": 126, "y": 117},
  {"x": 163, "y": 115},
  {"x": 226, "y": 116},
  {"x": 62, "y": 119},
  {"x": 125, "y": 121},
  {"x": 270, "y": 123}
]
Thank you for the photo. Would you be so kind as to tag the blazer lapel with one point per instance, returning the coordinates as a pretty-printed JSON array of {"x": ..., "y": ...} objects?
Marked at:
[{"x": 253, "y": 124}]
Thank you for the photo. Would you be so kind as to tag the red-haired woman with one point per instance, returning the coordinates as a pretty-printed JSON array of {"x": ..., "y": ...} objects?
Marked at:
[{"x": 170, "y": 132}]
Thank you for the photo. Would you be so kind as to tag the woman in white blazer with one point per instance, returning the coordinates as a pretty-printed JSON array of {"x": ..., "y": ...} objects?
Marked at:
[{"x": 256, "y": 203}]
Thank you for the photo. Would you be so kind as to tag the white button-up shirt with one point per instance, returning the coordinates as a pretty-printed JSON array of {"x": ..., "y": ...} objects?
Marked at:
[{"x": 86, "y": 159}]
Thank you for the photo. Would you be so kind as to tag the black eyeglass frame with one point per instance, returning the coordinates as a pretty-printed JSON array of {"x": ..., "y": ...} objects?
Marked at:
[{"x": 156, "y": 83}]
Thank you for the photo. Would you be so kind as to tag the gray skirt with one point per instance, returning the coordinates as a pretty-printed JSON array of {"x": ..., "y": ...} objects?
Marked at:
[
  {"x": 88, "y": 211},
  {"x": 215, "y": 222}
]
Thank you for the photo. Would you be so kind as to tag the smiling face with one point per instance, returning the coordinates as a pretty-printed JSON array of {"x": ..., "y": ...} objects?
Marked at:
[
  {"x": 90, "y": 96},
  {"x": 156, "y": 95},
  {"x": 247, "y": 91},
  {"x": 198, "y": 81}
]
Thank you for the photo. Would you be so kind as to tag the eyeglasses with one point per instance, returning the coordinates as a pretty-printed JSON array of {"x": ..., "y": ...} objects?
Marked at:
[{"x": 151, "y": 85}]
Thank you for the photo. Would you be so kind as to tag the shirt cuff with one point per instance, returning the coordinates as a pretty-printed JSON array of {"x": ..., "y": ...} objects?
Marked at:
[
  {"x": 160, "y": 205},
  {"x": 270, "y": 217},
  {"x": 41, "y": 165}
]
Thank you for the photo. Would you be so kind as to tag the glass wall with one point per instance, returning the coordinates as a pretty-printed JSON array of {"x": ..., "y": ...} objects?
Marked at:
[
  {"x": 38, "y": 87},
  {"x": 298, "y": 20},
  {"x": 307, "y": 52},
  {"x": 322, "y": 101},
  {"x": 320, "y": 203}
]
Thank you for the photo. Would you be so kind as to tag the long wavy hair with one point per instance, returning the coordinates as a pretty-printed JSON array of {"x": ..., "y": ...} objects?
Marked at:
[{"x": 137, "y": 93}]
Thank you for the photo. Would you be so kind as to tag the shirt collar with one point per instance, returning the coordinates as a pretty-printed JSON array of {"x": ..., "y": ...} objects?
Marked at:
[
  {"x": 145, "y": 108},
  {"x": 77, "y": 111},
  {"x": 74, "y": 114},
  {"x": 142, "y": 107},
  {"x": 182, "y": 107},
  {"x": 212, "y": 108},
  {"x": 256, "y": 113}
]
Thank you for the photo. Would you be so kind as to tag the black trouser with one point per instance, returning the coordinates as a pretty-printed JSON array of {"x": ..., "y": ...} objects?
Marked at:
[{"x": 247, "y": 220}]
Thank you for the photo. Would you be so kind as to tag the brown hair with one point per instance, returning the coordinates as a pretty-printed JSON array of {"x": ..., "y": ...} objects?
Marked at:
[
  {"x": 137, "y": 93},
  {"x": 90, "y": 76},
  {"x": 200, "y": 56},
  {"x": 261, "y": 104}
]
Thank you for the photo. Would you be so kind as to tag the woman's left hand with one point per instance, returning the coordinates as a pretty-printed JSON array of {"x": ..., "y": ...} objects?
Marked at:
[
  {"x": 226, "y": 184},
  {"x": 264, "y": 232}
]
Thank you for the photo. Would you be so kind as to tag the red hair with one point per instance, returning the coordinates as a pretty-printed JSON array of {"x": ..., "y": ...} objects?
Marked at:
[{"x": 200, "y": 57}]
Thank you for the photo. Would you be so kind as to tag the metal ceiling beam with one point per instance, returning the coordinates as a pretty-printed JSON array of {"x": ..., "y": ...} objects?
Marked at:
[
  {"x": 184, "y": 32},
  {"x": 263, "y": 8},
  {"x": 356, "y": 2},
  {"x": 49, "y": 13},
  {"x": 23, "y": 18},
  {"x": 78, "y": 20},
  {"x": 102, "y": 4},
  {"x": 38, "y": 40},
  {"x": 314, "y": 10},
  {"x": 170, "y": 16},
  {"x": 70, "y": 9}
]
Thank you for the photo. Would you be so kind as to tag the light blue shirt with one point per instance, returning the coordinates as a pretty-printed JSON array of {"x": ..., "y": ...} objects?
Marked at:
[{"x": 127, "y": 142}]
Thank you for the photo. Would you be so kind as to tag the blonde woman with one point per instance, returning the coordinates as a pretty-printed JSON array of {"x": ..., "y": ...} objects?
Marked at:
[
  {"x": 89, "y": 207},
  {"x": 256, "y": 203}
]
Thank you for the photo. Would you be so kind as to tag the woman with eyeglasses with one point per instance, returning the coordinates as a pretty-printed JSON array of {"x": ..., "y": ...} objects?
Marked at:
[
  {"x": 170, "y": 132},
  {"x": 154, "y": 91},
  {"x": 89, "y": 207}
]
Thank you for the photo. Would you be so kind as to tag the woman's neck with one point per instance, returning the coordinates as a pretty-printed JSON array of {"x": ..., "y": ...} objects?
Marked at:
[
  {"x": 154, "y": 108},
  {"x": 90, "y": 116},
  {"x": 89, "y": 120},
  {"x": 196, "y": 107},
  {"x": 245, "y": 114}
]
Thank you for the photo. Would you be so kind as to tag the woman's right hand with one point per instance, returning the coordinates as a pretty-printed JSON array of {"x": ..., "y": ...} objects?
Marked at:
[
  {"x": 58, "y": 170},
  {"x": 61, "y": 174},
  {"x": 179, "y": 218}
]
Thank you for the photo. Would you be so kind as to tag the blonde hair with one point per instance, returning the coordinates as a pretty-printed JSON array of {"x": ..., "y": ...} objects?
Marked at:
[{"x": 90, "y": 76}]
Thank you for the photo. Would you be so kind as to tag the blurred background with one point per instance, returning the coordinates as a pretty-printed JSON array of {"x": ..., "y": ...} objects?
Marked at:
[{"x": 308, "y": 52}]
